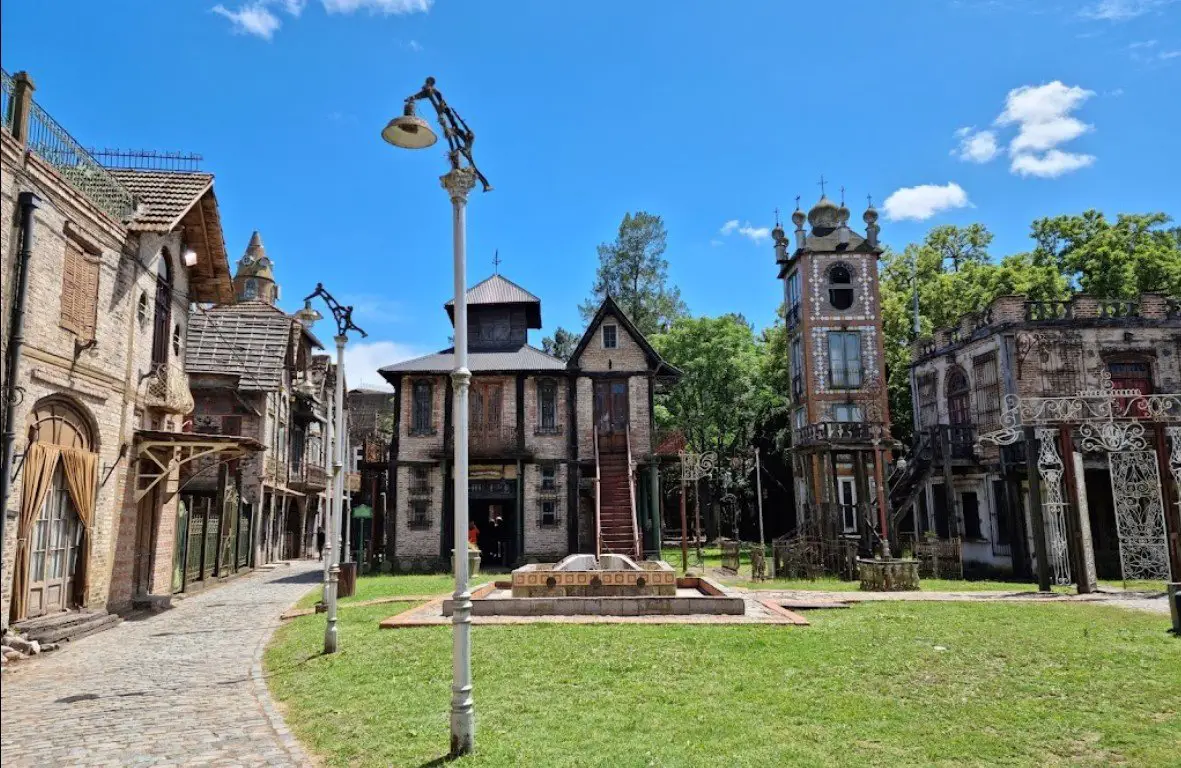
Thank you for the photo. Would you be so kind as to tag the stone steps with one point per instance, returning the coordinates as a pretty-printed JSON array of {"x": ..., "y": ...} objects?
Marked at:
[{"x": 64, "y": 627}]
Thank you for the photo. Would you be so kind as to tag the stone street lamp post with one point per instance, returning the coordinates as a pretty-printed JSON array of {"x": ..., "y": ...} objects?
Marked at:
[
  {"x": 344, "y": 324},
  {"x": 412, "y": 132}
]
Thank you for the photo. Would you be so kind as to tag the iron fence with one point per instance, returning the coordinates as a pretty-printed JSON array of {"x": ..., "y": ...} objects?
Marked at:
[{"x": 7, "y": 104}]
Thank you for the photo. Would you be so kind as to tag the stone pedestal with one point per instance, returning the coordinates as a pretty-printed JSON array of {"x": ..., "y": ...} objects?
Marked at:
[{"x": 889, "y": 575}]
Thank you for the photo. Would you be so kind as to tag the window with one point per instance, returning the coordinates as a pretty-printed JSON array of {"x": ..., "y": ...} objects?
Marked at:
[
  {"x": 1001, "y": 525},
  {"x": 141, "y": 309},
  {"x": 610, "y": 336},
  {"x": 847, "y": 498},
  {"x": 420, "y": 514},
  {"x": 971, "y": 507},
  {"x": 928, "y": 401},
  {"x": 799, "y": 418},
  {"x": 840, "y": 287},
  {"x": 549, "y": 514},
  {"x": 797, "y": 369},
  {"x": 420, "y": 481},
  {"x": 79, "y": 291},
  {"x": 547, "y": 406},
  {"x": 844, "y": 359},
  {"x": 792, "y": 300},
  {"x": 846, "y": 413},
  {"x": 1134, "y": 375},
  {"x": 549, "y": 478},
  {"x": 988, "y": 391},
  {"x": 421, "y": 406},
  {"x": 958, "y": 409},
  {"x": 163, "y": 321},
  {"x": 176, "y": 341},
  {"x": 251, "y": 289}
]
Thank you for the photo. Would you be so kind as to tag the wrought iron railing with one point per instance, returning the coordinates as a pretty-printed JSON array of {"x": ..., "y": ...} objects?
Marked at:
[
  {"x": 6, "y": 99},
  {"x": 168, "y": 389},
  {"x": 792, "y": 316},
  {"x": 926, "y": 346},
  {"x": 839, "y": 432},
  {"x": 487, "y": 440},
  {"x": 955, "y": 441}
]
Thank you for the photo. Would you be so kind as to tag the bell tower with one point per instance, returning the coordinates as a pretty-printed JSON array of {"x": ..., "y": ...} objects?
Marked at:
[
  {"x": 840, "y": 419},
  {"x": 255, "y": 278}
]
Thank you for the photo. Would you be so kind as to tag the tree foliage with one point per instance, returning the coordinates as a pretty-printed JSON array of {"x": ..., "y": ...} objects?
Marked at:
[
  {"x": 561, "y": 345},
  {"x": 634, "y": 272}
]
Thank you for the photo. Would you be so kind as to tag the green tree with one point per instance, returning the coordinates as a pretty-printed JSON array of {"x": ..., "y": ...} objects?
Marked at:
[
  {"x": 634, "y": 272},
  {"x": 561, "y": 345}
]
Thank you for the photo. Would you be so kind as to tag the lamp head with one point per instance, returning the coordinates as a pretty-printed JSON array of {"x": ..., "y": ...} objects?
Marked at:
[{"x": 409, "y": 131}]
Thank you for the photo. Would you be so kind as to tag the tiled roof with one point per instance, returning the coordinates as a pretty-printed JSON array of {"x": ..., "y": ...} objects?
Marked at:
[
  {"x": 249, "y": 339},
  {"x": 526, "y": 358},
  {"x": 164, "y": 196},
  {"x": 829, "y": 241}
]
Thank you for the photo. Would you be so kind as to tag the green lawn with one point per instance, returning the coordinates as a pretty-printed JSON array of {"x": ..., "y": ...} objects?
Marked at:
[
  {"x": 387, "y": 585},
  {"x": 893, "y": 684}
]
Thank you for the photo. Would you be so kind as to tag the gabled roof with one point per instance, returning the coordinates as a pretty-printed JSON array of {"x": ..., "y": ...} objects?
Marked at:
[
  {"x": 499, "y": 290},
  {"x": 164, "y": 196},
  {"x": 526, "y": 358},
  {"x": 249, "y": 340},
  {"x": 609, "y": 307}
]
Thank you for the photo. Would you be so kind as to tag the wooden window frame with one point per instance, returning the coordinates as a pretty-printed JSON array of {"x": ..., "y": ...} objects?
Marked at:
[
  {"x": 547, "y": 389},
  {"x": 555, "y": 514},
  {"x": 987, "y": 379},
  {"x": 848, "y": 378},
  {"x": 418, "y": 515},
  {"x": 614, "y": 335},
  {"x": 960, "y": 397}
]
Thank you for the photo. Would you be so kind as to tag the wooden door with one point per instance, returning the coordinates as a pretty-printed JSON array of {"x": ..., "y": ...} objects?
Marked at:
[
  {"x": 611, "y": 414},
  {"x": 485, "y": 407},
  {"x": 54, "y": 555}
]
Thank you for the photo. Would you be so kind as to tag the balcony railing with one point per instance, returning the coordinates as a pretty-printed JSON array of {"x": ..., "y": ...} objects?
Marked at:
[
  {"x": 46, "y": 138},
  {"x": 957, "y": 441},
  {"x": 791, "y": 317},
  {"x": 845, "y": 432},
  {"x": 1114, "y": 309},
  {"x": 487, "y": 441},
  {"x": 1048, "y": 310},
  {"x": 168, "y": 389},
  {"x": 308, "y": 477}
]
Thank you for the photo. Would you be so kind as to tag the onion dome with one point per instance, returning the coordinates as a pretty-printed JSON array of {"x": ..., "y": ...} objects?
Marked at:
[{"x": 824, "y": 215}]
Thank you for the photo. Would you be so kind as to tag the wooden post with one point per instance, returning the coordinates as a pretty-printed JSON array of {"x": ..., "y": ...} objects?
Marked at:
[
  {"x": 22, "y": 105},
  {"x": 1035, "y": 510},
  {"x": 953, "y": 513},
  {"x": 1172, "y": 512}
]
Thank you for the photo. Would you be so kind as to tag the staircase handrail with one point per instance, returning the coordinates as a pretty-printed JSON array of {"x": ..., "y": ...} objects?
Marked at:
[
  {"x": 631, "y": 484},
  {"x": 598, "y": 496}
]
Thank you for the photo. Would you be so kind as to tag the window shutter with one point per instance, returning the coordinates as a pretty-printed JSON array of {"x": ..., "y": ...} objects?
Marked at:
[
  {"x": 71, "y": 288},
  {"x": 88, "y": 297}
]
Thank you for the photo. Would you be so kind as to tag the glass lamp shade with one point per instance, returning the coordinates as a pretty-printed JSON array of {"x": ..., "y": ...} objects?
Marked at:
[{"x": 409, "y": 132}]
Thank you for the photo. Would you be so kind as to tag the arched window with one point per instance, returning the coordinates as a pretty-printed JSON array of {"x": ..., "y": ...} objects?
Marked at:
[
  {"x": 959, "y": 410},
  {"x": 56, "y": 421},
  {"x": 251, "y": 289},
  {"x": 163, "y": 323},
  {"x": 840, "y": 286}
]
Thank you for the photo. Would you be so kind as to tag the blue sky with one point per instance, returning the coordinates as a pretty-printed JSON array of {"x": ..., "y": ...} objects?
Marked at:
[{"x": 703, "y": 112}]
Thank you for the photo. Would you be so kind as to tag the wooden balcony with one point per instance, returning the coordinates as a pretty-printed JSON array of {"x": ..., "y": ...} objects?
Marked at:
[
  {"x": 502, "y": 441},
  {"x": 849, "y": 433}
]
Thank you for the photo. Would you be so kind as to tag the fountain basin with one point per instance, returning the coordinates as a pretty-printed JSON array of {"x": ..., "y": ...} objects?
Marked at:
[
  {"x": 584, "y": 576},
  {"x": 689, "y": 596}
]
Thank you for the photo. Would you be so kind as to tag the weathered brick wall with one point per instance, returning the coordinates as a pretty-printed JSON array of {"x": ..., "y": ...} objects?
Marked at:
[
  {"x": 627, "y": 356},
  {"x": 546, "y": 446},
  {"x": 418, "y": 543},
  {"x": 418, "y": 447},
  {"x": 585, "y": 404},
  {"x": 639, "y": 416},
  {"x": 544, "y": 542}
]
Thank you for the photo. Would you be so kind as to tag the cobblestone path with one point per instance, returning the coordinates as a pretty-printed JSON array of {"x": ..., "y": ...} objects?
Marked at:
[{"x": 183, "y": 687}]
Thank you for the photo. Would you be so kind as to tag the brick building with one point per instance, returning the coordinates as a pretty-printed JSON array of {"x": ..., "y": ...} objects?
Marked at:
[
  {"x": 112, "y": 257},
  {"x": 255, "y": 374},
  {"x": 840, "y": 437},
  {"x": 561, "y": 453},
  {"x": 1071, "y": 367},
  {"x": 371, "y": 423}
]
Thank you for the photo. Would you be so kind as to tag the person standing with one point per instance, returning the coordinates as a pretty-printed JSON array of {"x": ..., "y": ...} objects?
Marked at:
[{"x": 320, "y": 541}]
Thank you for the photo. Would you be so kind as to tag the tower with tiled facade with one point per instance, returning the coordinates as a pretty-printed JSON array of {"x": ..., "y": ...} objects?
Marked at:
[
  {"x": 837, "y": 380},
  {"x": 255, "y": 278}
]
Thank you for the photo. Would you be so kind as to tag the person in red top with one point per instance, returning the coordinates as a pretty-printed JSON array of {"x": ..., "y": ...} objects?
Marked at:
[{"x": 473, "y": 535}]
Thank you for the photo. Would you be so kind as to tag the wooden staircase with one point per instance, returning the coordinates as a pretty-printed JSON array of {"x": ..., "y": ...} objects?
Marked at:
[{"x": 617, "y": 532}]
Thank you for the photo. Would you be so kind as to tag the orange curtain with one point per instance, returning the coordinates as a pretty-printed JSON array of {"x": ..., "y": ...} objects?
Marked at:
[
  {"x": 40, "y": 462},
  {"x": 81, "y": 470}
]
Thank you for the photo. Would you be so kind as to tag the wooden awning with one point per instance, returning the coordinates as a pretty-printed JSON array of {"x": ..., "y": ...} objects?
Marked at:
[{"x": 168, "y": 451}]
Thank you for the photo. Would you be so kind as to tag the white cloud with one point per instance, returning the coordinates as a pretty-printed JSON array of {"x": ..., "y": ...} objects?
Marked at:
[
  {"x": 924, "y": 201},
  {"x": 387, "y": 7},
  {"x": 362, "y": 359},
  {"x": 1050, "y": 164},
  {"x": 1122, "y": 10},
  {"x": 414, "y": 45},
  {"x": 1166, "y": 55},
  {"x": 1042, "y": 116},
  {"x": 755, "y": 234},
  {"x": 976, "y": 146},
  {"x": 253, "y": 19},
  {"x": 1142, "y": 44}
]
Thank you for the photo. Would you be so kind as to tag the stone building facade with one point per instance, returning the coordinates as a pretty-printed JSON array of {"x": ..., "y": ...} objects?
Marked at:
[
  {"x": 1067, "y": 358},
  {"x": 116, "y": 256},
  {"x": 540, "y": 429},
  {"x": 840, "y": 437}
]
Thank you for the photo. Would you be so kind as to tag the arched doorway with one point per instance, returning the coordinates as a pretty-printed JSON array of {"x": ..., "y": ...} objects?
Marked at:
[{"x": 57, "y": 504}]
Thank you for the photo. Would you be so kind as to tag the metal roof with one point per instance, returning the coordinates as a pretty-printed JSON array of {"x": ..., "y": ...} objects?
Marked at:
[
  {"x": 249, "y": 339},
  {"x": 526, "y": 358},
  {"x": 497, "y": 289}
]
